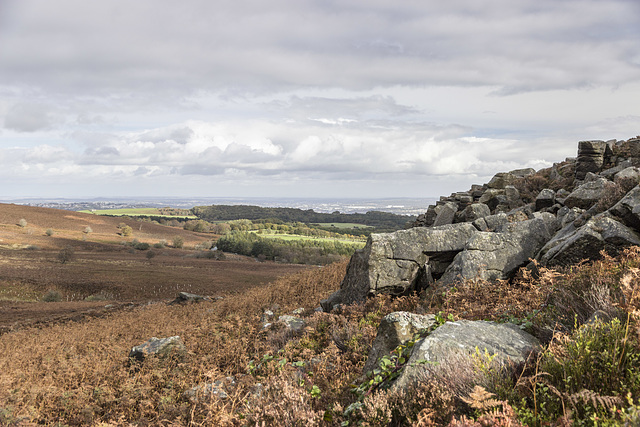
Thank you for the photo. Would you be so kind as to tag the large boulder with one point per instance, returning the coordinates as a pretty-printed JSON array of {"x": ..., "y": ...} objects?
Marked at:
[
  {"x": 491, "y": 256},
  {"x": 445, "y": 347},
  {"x": 396, "y": 263},
  {"x": 592, "y": 155},
  {"x": 589, "y": 193},
  {"x": 572, "y": 244},
  {"x": 396, "y": 329}
]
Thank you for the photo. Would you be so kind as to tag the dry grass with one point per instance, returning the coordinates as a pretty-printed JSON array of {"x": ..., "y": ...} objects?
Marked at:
[{"x": 79, "y": 373}]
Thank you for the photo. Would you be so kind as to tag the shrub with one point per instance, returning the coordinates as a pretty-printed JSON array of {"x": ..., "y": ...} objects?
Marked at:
[
  {"x": 150, "y": 254},
  {"x": 52, "y": 296},
  {"x": 178, "y": 242},
  {"x": 141, "y": 246},
  {"x": 49, "y": 232},
  {"x": 87, "y": 230},
  {"x": 65, "y": 255},
  {"x": 22, "y": 223},
  {"x": 126, "y": 231}
]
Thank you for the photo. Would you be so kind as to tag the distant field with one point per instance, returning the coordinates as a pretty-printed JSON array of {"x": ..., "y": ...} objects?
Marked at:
[
  {"x": 135, "y": 212},
  {"x": 322, "y": 239},
  {"x": 341, "y": 225}
]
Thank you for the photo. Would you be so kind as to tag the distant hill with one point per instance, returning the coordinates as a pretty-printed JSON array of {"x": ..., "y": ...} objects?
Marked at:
[
  {"x": 382, "y": 221},
  {"x": 68, "y": 225}
]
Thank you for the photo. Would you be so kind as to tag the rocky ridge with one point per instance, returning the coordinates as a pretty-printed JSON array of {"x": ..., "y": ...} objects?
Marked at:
[{"x": 556, "y": 216}]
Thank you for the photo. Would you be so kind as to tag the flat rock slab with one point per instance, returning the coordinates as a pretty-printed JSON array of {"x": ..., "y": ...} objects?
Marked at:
[{"x": 506, "y": 341}]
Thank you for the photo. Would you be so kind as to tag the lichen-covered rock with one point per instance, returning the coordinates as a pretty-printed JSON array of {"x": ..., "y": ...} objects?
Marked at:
[
  {"x": 396, "y": 329},
  {"x": 160, "y": 347},
  {"x": 445, "y": 214},
  {"x": 395, "y": 263},
  {"x": 293, "y": 323},
  {"x": 476, "y": 211},
  {"x": 498, "y": 255},
  {"x": 503, "y": 341},
  {"x": 573, "y": 244}
]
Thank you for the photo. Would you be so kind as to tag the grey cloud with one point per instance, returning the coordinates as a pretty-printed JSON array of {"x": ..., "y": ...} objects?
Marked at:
[
  {"x": 161, "y": 48},
  {"x": 28, "y": 117}
]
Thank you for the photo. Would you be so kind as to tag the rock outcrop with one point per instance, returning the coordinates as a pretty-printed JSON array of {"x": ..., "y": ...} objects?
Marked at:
[
  {"x": 401, "y": 262},
  {"x": 491, "y": 230}
]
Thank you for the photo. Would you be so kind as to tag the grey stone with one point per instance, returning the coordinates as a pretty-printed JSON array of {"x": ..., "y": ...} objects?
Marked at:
[
  {"x": 491, "y": 222},
  {"x": 628, "y": 208},
  {"x": 396, "y": 329},
  {"x": 395, "y": 263},
  {"x": 187, "y": 298},
  {"x": 292, "y": 322},
  {"x": 630, "y": 174},
  {"x": 491, "y": 256},
  {"x": 589, "y": 193},
  {"x": 572, "y": 244},
  {"x": 505, "y": 342},
  {"x": 475, "y": 211},
  {"x": 545, "y": 199},
  {"x": 493, "y": 197},
  {"x": 513, "y": 196},
  {"x": 445, "y": 214},
  {"x": 161, "y": 347}
]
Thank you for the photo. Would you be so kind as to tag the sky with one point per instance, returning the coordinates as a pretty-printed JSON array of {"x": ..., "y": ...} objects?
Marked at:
[{"x": 305, "y": 98}]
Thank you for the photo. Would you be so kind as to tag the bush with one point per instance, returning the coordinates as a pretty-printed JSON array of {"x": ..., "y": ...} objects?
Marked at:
[
  {"x": 22, "y": 223},
  {"x": 88, "y": 230},
  {"x": 52, "y": 296},
  {"x": 150, "y": 254},
  {"x": 142, "y": 246},
  {"x": 49, "y": 232},
  {"x": 65, "y": 255},
  {"x": 126, "y": 231},
  {"x": 178, "y": 242}
]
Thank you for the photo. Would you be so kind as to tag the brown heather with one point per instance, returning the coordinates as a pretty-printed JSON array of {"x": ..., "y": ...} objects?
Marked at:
[{"x": 79, "y": 373}]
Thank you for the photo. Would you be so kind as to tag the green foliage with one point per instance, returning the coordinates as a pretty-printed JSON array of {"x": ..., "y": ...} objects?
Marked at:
[
  {"x": 49, "y": 232},
  {"x": 294, "y": 251},
  {"x": 585, "y": 376},
  {"x": 382, "y": 221},
  {"x": 178, "y": 242},
  {"x": 52, "y": 296}
]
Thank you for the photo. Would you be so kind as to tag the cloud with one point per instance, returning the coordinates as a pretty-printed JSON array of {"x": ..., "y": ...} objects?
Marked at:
[{"x": 28, "y": 117}]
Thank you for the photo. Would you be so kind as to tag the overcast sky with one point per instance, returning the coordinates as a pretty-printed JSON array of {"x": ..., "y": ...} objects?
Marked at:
[{"x": 305, "y": 98}]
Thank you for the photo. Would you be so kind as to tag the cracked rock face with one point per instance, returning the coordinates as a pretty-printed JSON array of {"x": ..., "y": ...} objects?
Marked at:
[
  {"x": 572, "y": 245},
  {"x": 397, "y": 263},
  {"x": 498, "y": 255}
]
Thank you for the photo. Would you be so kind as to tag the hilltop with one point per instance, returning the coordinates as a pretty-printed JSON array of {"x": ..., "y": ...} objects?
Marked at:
[{"x": 514, "y": 303}]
